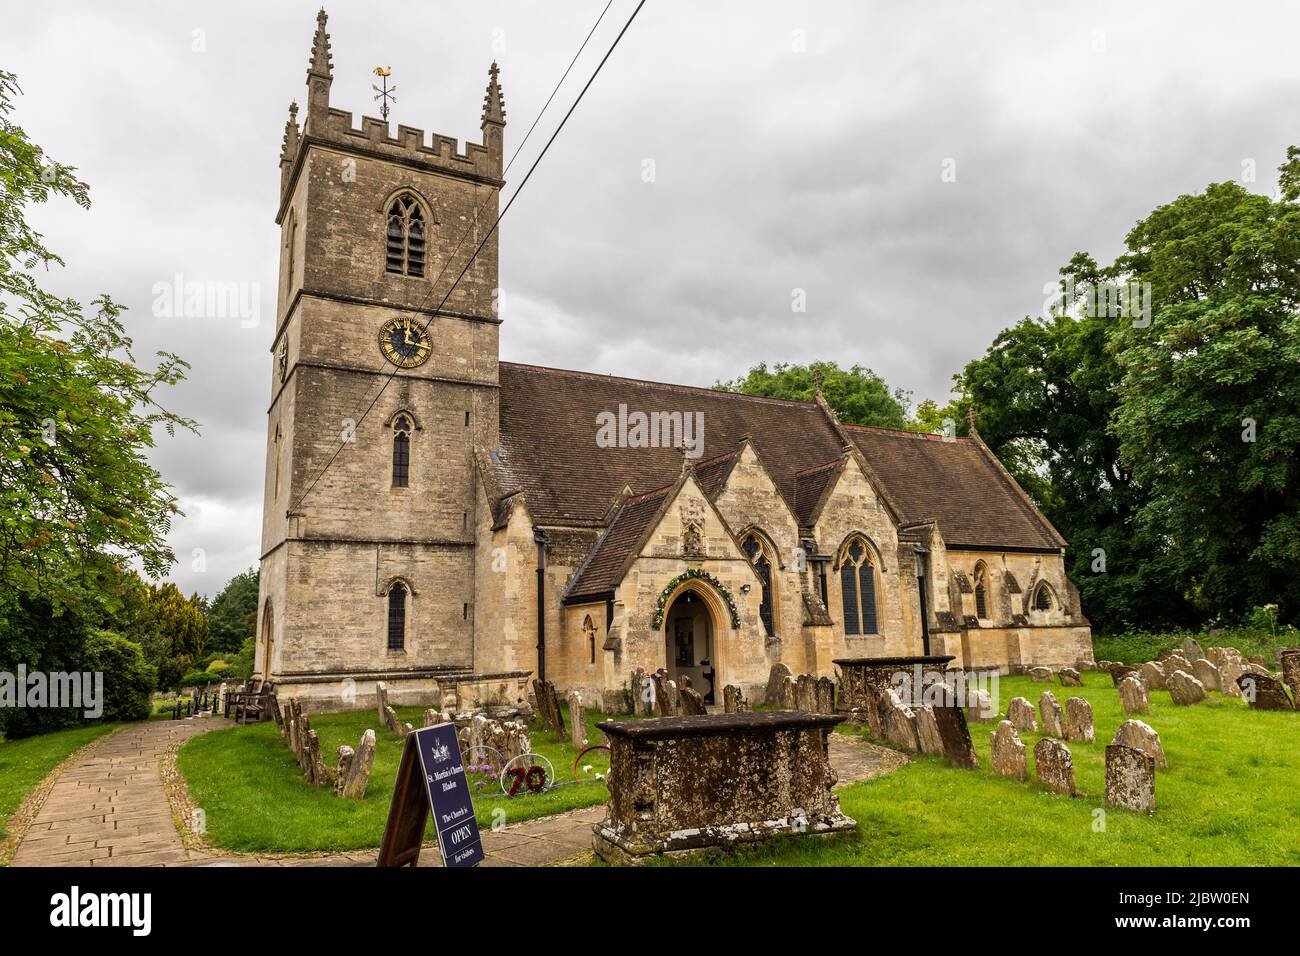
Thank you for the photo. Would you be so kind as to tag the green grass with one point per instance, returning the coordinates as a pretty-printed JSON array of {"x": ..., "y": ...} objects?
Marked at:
[
  {"x": 1230, "y": 797},
  {"x": 24, "y": 763},
  {"x": 250, "y": 788}
]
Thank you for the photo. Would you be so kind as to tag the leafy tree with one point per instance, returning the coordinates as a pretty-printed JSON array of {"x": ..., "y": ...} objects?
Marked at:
[
  {"x": 77, "y": 415},
  {"x": 175, "y": 629},
  {"x": 858, "y": 395},
  {"x": 1208, "y": 416},
  {"x": 232, "y": 616}
]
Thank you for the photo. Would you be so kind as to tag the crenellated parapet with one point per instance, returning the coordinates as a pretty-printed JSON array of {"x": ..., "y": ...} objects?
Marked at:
[{"x": 330, "y": 127}]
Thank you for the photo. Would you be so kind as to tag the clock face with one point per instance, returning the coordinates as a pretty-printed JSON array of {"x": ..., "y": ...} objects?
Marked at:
[
  {"x": 404, "y": 342},
  {"x": 284, "y": 357}
]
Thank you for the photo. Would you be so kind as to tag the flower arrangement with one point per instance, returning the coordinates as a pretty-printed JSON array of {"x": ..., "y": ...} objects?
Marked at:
[{"x": 657, "y": 621}]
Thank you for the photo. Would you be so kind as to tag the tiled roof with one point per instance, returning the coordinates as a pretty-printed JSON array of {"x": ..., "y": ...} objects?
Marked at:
[
  {"x": 548, "y": 451},
  {"x": 957, "y": 483}
]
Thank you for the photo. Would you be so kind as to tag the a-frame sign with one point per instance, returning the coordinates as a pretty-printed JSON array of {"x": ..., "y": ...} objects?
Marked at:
[{"x": 431, "y": 777}]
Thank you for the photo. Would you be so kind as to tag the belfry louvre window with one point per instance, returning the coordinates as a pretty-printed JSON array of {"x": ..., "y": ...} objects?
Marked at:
[
  {"x": 1043, "y": 598},
  {"x": 401, "y": 452},
  {"x": 981, "y": 592},
  {"x": 397, "y": 617},
  {"x": 404, "y": 252},
  {"x": 858, "y": 588}
]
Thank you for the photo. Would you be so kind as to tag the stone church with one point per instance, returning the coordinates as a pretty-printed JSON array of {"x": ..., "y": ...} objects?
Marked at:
[{"x": 439, "y": 519}]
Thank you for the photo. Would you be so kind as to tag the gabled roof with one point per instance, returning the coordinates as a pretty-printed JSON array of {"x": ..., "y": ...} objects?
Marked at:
[
  {"x": 606, "y": 565},
  {"x": 811, "y": 486},
  {"x": 957, "y": 483}
]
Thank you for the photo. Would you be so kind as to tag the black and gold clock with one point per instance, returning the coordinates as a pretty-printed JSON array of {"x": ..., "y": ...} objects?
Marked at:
[{"x": 404, "y": 342}]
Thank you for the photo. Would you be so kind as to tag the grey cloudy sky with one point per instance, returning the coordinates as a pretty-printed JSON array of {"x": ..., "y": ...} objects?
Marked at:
[{"x": 776, "y": 168}]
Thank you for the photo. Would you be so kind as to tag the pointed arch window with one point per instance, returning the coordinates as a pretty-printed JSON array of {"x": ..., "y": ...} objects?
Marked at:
[
  {"x": 758, "y": 553},
  {"x": 292, "y": 242},
  {"x": 401, "y": 451},
  {"x": 589, "y": 631},
  {"x": 404, "y": 248},
  {"x": 397, "y": 617},
  {"x": 981, "y": 591},
  {"x": 858, "y": 589},
  {"x": 1043, "y": 598}
]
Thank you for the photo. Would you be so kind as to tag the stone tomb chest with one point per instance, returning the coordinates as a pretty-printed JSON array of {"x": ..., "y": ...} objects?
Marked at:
[
  {"x": 678, "y": 784},
  {"x": 861, "y": 675}
]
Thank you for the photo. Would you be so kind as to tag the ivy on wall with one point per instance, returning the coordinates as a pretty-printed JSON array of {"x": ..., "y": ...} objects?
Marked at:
[{"x": 657, "y": 621}]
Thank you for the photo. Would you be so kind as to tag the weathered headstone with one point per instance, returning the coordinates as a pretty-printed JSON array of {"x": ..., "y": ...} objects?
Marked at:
[
  {"x": 1078, "y": 720},
  {"x": 733, "y": 700},
  {"x": 1207, "y": 673},
  {"x": 1040, "y": 675},
  {"x": 1120, "y": 671},
  {"x": 1069, "y": 677},
  {"x": 776, "y": 685},
  {"x": 1185, "y": 689},
  {"x": 898, "y": 722},
  {"x": 1153, "y": 675},
  {"x": 1264, "y": 692},
  {"x": 381, "y": 700},
  {"x": 1054, "y": 767},
  {"x": 684, "y": 681},
  {"x": 1133, "y": 695},
  {"x": 1021, "y": 714},
  {"x": 1192, "y": 650},
  {"x": 1135, "y": 733},
  {"x": 315, "y": 765},
  {"x": 957, "y": 745},
  {"x": 643, "y": 693},
  {"x": 790, "y": 694},
  {"x": 1130, "y": 778},
  {"x": 430, "y": 718},
  {"x": 806, "y": 693},
  {"x": 692, "y": 703},
  {"x": 1008, "y": 751},
  {"x": 980, "y": 706},
  {"x": 1229, "y": 672},
  {"x": 363, "y": 760},
  {"x": 1049, "y": 711},
  {"x": 577, "y": 720},
  {"x": 927, "y": 730},
  {"x": 343, "y": 767},
  {"x": 825, "y": 695},
  {"x": 1288, "y": 662},
  {"x": 392, "y": 723}
]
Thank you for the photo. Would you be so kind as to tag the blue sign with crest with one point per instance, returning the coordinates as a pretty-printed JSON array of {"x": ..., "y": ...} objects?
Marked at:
[{"x": 449, "y": 796}]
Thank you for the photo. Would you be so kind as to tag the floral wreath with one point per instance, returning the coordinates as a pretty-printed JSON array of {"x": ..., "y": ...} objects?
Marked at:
[{"x": 657, "y": 621}]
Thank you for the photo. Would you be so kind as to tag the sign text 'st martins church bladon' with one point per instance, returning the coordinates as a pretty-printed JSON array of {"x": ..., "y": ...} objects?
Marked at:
[{"x": 486, "y": 520}]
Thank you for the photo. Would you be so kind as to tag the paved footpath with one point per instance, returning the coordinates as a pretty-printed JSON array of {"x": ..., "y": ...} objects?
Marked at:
[{"x": 110, "y": 809}]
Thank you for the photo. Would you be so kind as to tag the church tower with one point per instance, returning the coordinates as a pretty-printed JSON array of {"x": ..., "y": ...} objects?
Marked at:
[{"x": 368, "y": 526}]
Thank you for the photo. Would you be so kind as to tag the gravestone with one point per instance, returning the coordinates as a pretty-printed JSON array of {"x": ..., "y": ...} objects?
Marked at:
[
  {"x": 1229, "y": 671},
  {"x": 733, "y": 700},
  {"x": 577, "y": 721},
  {"x": 1040, "y": 675},
  {"x": 1133, "y": 695},
  {"x": 1264, "y": 692},
  {"x": 806, "y": 694},
  {"x": 980, "y": 708},
  {"x": 1021, "y": 714},
  {"x": 314, "y": 766},
  {"x": 927, "y": 731},
  {"x": 957, "y": 745},
  {"x": 898, "y": 722},
  {"x": 1049, "y": 711},
  {"x": 825, "y": 695},
  {"x": 1205, "y": 672},
  {"x": 1185, "y": 689},
  {"x": 1069, "y": 677},
  {"x": 1130, "y": 778},
  {"x": 1135, "y": 733},
  {"x": 692, "y": 704},
  {"x": 1078, "y": 720},
  {"x": 343, "y": 767},
  {"x": 1008, "y": 752},
  {"x": 1120, "y": 671},
  {"x": 776, "y": 685},
  {"x": 1192, "y": 650},
  {"x": 1153, "y": 675},
  {"x": 1288, "y": 659},
  {"x": 1054, "y": 767},
  {"x": 430, "y": 718},
  {"x": 790, "y": 694}
]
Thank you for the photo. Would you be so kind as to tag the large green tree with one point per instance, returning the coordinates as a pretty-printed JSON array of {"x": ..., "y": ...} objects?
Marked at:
[
  {"x": 232, "y": 616},
  {"x": 858, "y": 395},
  {"x": 77, "y": 413}
]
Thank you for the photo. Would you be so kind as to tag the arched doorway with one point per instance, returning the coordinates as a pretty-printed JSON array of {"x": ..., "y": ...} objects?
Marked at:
[
  {"x": 689, "y": 636},
  {"x": 268, "y": 632}
]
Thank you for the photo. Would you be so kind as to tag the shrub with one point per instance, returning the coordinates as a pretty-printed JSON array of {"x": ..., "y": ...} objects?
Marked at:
[
  {"x": 199, "y": 678},
  {"x": 128, "y": 678}
]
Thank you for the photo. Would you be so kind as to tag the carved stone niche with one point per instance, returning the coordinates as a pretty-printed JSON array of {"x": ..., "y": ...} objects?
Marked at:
[{"x": 681, "y": 784}]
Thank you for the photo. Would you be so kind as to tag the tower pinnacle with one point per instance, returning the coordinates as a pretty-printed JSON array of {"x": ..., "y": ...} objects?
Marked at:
[
  {"x": 494, "y": 101},
  {"x": 320, "y": 74}
]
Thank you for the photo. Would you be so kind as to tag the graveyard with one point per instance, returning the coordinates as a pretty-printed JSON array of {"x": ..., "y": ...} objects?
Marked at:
[{"x": 1212, "y": 776}]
